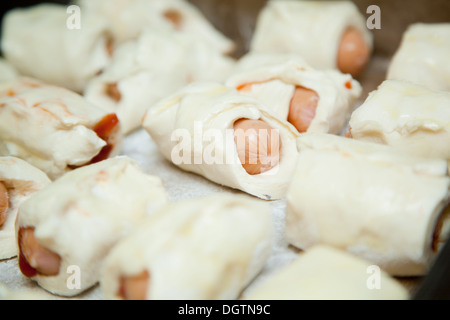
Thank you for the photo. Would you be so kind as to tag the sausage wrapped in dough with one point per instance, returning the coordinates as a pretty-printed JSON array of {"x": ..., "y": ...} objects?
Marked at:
[
  {"x": 368, "y": 199},
  {"x": 66, "y": 230},
  {"x": 18, "y": 181},
  {"x": 407, "y": 116},
  {"x": 38, "y": 42},
  {"x": 326, "y": 273},
  {"x": 7, "y": 72},
  {"x": 227, "y": 137},
  {"x": 423, "y": 56},
  {"x": 328, "y": 34},
  {"x": 53, "y": 128},
  {"x": 128, "y": 18},
  {"x": 312, "y": 100},
  {"x": 207, "y": 248}
]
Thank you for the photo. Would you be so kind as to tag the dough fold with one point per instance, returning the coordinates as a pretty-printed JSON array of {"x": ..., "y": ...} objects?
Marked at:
[
  {"x": 21, "y": 180},
  {"x": 203, "y": 249}
]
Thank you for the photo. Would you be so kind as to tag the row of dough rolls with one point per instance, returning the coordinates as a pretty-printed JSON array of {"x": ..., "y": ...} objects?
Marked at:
[
  {"x": 138, "y": 246},
  {"x": 408, "y": 111},
  {"x": 123, "y": 56},
  {"x": 113, "y": 222}
]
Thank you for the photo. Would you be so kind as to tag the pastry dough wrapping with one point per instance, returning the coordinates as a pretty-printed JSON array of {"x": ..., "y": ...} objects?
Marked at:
[
  {"x": 407, "y": 116},
  {"x": 21, "y": 180},
  {"x": 185, "y": 120},
  {"x": 326, "y": 273},
  {"x": 7, "y": 72},
  {"x": 422, "y": 57},
  {"x": 275, "y": 77},
  {"x": 312, "y": 29},
  {"x": 82, "y": 215},
  {"x": 128, "y": 18},
  {"x": 202, "y": 249},
  {"x": 39, "y": 44},
  {"x": 367, "y": 199},
  {"x": 150, "y": 68},
  {"x": 52, "y": 128}
]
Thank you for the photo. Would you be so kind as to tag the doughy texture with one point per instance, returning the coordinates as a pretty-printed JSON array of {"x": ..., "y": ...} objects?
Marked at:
[
  {"x": 274, "y": 78},
  {"x": 326, "y": 273},
  {"x": 312, "y": 29},
  {"x": 152, "y": 67},
  {"x": 7, "y": 72},
  {"x": 407, "y": 116},
  {"x": 39, "y": 44},
  {"x": 83, "y": 214},
  {"x": 21, "y": 294},
  {"x": 127, "y": 19},
  {"x": 369, "y": 200},
  {"x": 207, "y": 248},
  {"x": 21, "y": 180},
  {"x": 193, "y": 127},
  {"x": 49, "y": 127},
  {"x": 422, "y": 57}
]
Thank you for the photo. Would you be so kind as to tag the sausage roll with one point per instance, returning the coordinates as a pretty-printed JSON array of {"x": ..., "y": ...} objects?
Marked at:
[
  {"x": 312, "y": 100},
  {"x": 146, "y": 70},
  {"x": 129, "y": 17},
  {"x": 203, "y": 249},
  {"x": 326, "y": 273},
  {"x": 368, "y": 199},
  {"x": 18, "y": 181},
  {"x": 407, "y": 116},
  {"x": 328, "y": 34},
  {"x": 54, "y": 129},
  {"x": 7, "y": 72},
  {"x": 38, "y": 42},
  {"x": 66, "y": 230},
  {"x": 229, "y": 138},
  {"x": 423, "y": 56}
]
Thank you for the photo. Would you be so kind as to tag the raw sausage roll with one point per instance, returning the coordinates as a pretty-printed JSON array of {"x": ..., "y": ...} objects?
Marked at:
[
  {"x": 384, "y": 206},
  {"x": 328, "y": 34},
  {"x": 407, "y": 116},
  {"x": 326, "y": 273},
  {"x": 423, "y": 56},
  {"x": 66, "y": 230},
  {"x": 203, "y": 249},
  {"x": 312, "y": 100},
  {"x": 18, "y": 181},
  {"x": 229, "y": 138},
  {"x": 54, "y": 129},
  {"x": 129, "y": 17},
  {"x": 7, "y": 72},
  {"x": 38, "y": 42},
  {"x": 146, "y": 70}
]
